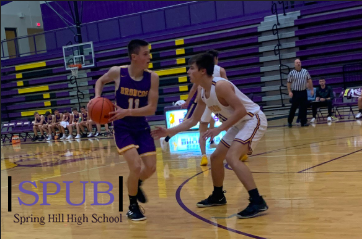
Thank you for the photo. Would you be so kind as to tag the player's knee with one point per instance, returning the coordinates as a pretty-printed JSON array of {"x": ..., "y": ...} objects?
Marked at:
[
  {"x": 151, "y": 169},
  {"x": 135, "y": 166},
  {"x": 214, "y": 158},
  {"x": 232, "y": 158}
]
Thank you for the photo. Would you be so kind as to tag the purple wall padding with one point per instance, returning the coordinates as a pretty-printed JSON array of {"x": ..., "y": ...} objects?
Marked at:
[{"x": 227, "y": 9}]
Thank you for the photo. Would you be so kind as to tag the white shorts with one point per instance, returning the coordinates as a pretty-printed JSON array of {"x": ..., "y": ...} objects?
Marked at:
[
  {"x": 247, "y": 132},
  {"x": 206, "y": 116},
  {"x": 64, "y": 124}
]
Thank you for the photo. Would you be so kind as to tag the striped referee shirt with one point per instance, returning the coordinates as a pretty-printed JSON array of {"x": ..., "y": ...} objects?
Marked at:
[{"x": 299, "y": 79}]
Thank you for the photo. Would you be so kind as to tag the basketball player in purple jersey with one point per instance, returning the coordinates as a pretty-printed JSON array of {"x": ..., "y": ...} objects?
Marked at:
[{"x": 136, "y": 97}]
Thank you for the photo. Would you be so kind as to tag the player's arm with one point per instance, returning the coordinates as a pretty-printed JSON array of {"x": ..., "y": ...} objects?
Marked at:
[
  {"x": 53, "y": 119},
  {"x": 310, "y": 84},
  {"x": 223, "y": 73},
  {"x": 225, "y": 91},
  {"x": 110, "y": 76},
  {"x": 35, "y": 124},
  {"x": 71, "y": 119},
  {"x": 41, "y": 120},
  {"x": 185, "y": 125}
]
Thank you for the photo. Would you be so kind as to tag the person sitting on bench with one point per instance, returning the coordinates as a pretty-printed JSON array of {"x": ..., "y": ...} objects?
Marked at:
[{"x": 324, "y": 97}]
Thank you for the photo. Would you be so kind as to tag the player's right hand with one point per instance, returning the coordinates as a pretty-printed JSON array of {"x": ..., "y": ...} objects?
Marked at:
[
  {"x": 90, "y": 101},
  {"x": 159, "y": 132},
  {"x": 290, "y": 94}
]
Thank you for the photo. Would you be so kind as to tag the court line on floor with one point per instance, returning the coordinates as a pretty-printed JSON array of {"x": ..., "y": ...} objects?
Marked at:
[
  {"x": 329, "y": 161},
  {"x": 183, "y": 206},
  {"x": 69, "y": 173}
]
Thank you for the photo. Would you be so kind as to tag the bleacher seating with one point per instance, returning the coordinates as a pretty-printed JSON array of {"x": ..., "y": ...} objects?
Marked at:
[{"x": 325, "y": 41}]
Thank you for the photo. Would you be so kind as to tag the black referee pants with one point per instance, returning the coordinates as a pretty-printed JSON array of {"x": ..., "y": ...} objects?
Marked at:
[{"x": 299, "y": 99}]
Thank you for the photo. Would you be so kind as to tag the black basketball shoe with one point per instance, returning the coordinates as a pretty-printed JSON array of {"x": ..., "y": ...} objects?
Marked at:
[
  {"x": 213, "y": 200},
  {"x": 134, "y": 213},
  {"x": 253, "y": 209}
]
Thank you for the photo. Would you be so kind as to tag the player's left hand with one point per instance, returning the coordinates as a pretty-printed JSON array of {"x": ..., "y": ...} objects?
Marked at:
[
  {"x": 120, "y": 113},
  {"x": 211, "y": 133}
]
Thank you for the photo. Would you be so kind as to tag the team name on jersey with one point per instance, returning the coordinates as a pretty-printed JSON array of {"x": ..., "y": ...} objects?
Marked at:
[
  {"x": 133, "y": 92},
  {"x": 214, "y": 108}
]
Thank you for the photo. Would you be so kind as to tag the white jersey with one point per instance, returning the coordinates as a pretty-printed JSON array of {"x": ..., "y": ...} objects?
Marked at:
[
  {"x": 225, "y": 112},
  {"x": 216, "y": 71}
]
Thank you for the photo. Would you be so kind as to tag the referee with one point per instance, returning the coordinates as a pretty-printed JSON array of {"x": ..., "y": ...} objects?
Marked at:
[{"x": 298, "y": 79}]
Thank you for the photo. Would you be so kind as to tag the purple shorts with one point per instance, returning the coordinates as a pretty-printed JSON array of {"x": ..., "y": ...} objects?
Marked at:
[{"x": 135, "y": 136}]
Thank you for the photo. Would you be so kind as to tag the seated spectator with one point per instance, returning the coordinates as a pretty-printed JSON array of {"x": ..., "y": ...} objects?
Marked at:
[
  {"x": 48, "y": 119},
  {"x": 84, "y": 121},
  {"x": 64, "y": 123},
  {"x": 359, "y": 115},
  {"x": 74, "y": 122},
  {"x": 91, "y": 123},
  {"x": 324, "y": 97},
  {"x": 57, "y": 117},
  {"x": 38, "y": 125}
]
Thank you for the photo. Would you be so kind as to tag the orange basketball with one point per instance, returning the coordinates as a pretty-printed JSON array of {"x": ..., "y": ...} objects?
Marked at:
[{"x": 99, "y": 109}]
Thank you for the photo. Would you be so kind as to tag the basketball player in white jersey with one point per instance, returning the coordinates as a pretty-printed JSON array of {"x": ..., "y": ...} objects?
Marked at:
[
  {"x": 206, "y": 117},
  {"x": 245, "y": 124}
]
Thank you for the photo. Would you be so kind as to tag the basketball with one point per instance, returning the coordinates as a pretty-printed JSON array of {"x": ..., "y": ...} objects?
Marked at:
[{"x": 99, "y": 110}]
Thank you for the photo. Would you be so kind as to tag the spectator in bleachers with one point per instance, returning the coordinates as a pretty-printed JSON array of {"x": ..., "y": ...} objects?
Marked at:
[
  {"x": 298, "y": 80},
  {"x": 90, "y": 125},
  {"x": 38, "y": 125},
  {"x": 324, "y": 97},
  {"x": 359, "y": 115},
  {"x": 64, "y": 123},
  {"x": 56, "y": 119},
  {"x": 84, "y": 121},
  {"x": 47, "y": 124},
  {"x": 74, "y": 122}
]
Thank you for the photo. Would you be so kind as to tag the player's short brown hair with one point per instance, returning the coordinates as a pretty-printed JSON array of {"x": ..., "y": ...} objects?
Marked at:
[
  {"x": 214, "y": 53},
  {"x": 204, "y": 61},
  {"x": 134, "y": 46}
]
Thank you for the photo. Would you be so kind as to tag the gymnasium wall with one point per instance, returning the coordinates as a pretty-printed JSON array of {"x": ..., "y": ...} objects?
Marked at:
[
  {"x": 158, "y": 21},
  {"x": 98, "y": 10},
  {"x": 10, "y": 19}
]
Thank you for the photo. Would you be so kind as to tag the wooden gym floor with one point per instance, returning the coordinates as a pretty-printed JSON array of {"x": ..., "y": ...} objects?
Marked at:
[{"x": 311, "y": 179}]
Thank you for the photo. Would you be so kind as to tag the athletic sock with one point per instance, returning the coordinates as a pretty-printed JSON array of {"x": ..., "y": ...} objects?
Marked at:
[
  {"x": 218, "y": 191},
  {"x": 254, "y": 195},
  {"x": 132, "y": 199}
]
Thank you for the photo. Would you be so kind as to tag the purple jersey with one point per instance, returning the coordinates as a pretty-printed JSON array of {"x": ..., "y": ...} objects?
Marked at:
[
  {"x": 84, "y": 116},
  {"x": 66, "y": 118},
  {"x": 75, "y": 117},
  {"x": 47, "y": 120},
  {"x": 133, "y": 94},
  {"x": 57, "y": 118}
]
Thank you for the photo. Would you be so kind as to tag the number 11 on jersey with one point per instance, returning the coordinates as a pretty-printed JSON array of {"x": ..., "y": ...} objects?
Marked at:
[{"x": 136, "y": 103}]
